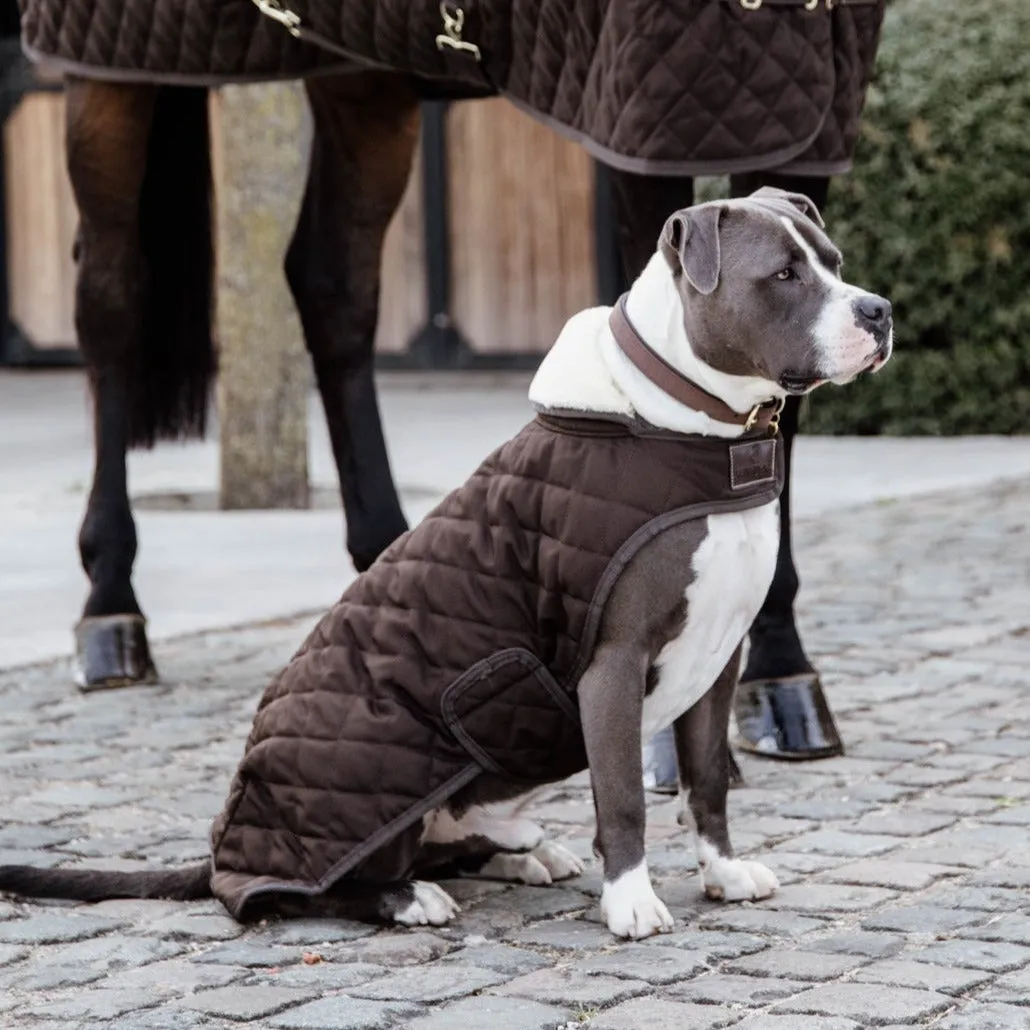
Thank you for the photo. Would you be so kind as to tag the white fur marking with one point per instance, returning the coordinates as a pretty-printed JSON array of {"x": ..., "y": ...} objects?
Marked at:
[
  {"x": 733, "y": 568},
  {"x": 507, "y": 832},
  {"x": 846, "y": 348},
  {"x": 732, "y": 879},
  {"x": 630, "y": 906},
  {"x": 432, "y": 906},
  {"x": 586, "y": 371}
]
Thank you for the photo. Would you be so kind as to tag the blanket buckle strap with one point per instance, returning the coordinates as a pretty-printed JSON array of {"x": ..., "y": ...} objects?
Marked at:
[
  {"x": 277, "y": 11},
  {"x": 450, "y": 38}
]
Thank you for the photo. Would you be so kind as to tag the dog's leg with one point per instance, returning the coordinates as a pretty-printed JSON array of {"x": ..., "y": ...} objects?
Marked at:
[
  {"x": 611, "y": 696},
  {"x": 704, "y": 783}
]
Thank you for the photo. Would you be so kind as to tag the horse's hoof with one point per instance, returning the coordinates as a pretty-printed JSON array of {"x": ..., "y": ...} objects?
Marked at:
[
  {"x": 112, "y": 651},
  {"x": 787, "y": 718}
]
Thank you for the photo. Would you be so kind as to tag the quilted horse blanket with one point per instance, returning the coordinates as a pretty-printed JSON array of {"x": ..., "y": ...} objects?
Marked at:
[{"x": 661, "y": 87}]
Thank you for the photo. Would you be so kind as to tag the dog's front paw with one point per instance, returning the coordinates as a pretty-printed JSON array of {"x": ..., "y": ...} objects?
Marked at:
[
  {"x": 631, "y": 908},
  {"x": 737, "y": 879},
  {"x": 430, "y": 906}
]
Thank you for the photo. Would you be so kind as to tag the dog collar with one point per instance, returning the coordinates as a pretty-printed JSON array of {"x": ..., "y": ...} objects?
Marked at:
[{"x": 765, "y": 416}]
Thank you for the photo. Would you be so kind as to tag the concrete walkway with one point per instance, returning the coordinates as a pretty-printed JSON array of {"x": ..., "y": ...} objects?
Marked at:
[{"x": 200, "y": 569}]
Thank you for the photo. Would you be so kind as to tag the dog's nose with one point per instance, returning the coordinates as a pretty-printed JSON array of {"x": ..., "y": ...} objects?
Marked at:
[{"x": 875, "y": 311}]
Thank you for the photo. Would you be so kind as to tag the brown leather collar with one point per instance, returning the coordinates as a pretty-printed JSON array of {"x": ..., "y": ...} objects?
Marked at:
[{"x": 762, "y": 416}]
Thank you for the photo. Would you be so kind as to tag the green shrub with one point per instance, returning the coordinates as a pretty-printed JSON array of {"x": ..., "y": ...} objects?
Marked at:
[{"x": 936, "y": 216}]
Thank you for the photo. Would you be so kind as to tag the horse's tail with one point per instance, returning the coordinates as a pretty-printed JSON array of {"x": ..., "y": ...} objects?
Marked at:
[
  {"x": 185, "y": 884},
  {"x": 177, "y": 354}
]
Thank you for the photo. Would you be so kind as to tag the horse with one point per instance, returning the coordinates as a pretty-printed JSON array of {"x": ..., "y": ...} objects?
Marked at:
[{"x": 138, "y": 157}]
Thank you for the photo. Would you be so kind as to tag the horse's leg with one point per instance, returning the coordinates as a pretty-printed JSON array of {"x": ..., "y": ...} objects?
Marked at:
[
  {"x": 780, "y": 706},
  {"x": 107, "y": 130},
  {"x": 366, "y": 128}
]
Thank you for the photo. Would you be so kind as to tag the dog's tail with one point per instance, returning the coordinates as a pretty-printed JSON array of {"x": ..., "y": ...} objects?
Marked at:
[{"x": 188, "y": 884}]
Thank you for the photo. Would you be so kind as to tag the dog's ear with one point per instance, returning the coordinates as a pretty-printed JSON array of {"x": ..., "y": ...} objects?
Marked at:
[
  {"x": 690, "y": 244},
  {"x": 798, "y": 200}
]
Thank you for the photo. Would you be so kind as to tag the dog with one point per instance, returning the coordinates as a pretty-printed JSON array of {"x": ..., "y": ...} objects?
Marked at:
[{"x": 591, "y": 584}]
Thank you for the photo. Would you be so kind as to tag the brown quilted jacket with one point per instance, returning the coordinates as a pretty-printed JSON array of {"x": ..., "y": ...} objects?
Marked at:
[
  {"x": 687, "y": 87},
  {"x": 460, "y": 649}
]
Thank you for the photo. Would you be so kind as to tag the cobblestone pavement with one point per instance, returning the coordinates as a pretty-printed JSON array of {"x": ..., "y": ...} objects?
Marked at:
[{"x": 905, "y": 865}]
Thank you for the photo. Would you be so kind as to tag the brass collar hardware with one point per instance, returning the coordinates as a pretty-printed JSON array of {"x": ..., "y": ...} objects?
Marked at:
[
  {"x": 774, "y": 422},
  {"x": 450, "y": 38},
  {"x": 277, "y": 11}
]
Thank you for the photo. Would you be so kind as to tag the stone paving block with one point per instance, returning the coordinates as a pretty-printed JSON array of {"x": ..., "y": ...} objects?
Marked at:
[
  {"x": 250, "y": 952},
  {"x": 55, "y": 926},
  {"x": 796, "y": 965},
  {"x": 986, "y": 1017},
  {"x": 924, "y": 776},
  {"x": 819, "y": 898},
  {"x": 394, "y": 948},
  {"x": 46, "y": 976},
  {"x": 565, "y": 934},
  {"x": 92, "y": 1005},
  {"x": 769, "y": 1021},
  {"x": 657, "y": 1014},
  {"x": 761, "y": 920},
  {"x": 866, "y": 1005},
  {"x": 569, "y": 988},
  {"x": 1013, "y": 988},
  {"x": 30, "y": 836},
  {"x": 844, "y": 844},
  {"x": 983, "y": 899},
  {"x": 165, "y": 1019},
  {"x": 10, "y": 953},
  {"x": 1012, "y": 876},
  {"x": 492, "y": 1013},
  {"x": 714, "y": 944},
  {"x": 995, "y": 956},
  {"x": 242, "y": 1003},
  {"x": 201, "y": 926},
  {"x": 1014, "y": 928},
  {"x": 342, "y": 1012},
  {"x": 903, "y": 823},
  {"x": 318, "y": 977},
  {"x": 113, "y": 952},
  {"x": 135, "y": 912},
  {"x": 655, "y": 965},
  {"x": 922, "y": 919},
  {"x": 173, "y": 977},
  {"x": 901, "y": 972},
  {"x": 309, "y": 932},
  {"x": 429, "y": 983},
  {"x": 730, "y": 989},
  {"x": 499, "y": 957},
  {"x": 858, "y": 942},
  {"x": 892, "y": 872}
]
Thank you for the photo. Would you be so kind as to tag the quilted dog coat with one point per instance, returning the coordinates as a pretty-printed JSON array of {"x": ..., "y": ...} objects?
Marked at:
[
  {"x": 460, "y": 649},
  {"x": 685, "y": 87}
]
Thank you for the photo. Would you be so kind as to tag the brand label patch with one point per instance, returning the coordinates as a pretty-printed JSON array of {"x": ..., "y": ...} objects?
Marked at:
[{"x": 752, "y": 463}]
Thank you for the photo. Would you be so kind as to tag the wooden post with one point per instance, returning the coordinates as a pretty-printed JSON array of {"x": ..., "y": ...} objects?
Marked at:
[{"x": 260, "y": 136}]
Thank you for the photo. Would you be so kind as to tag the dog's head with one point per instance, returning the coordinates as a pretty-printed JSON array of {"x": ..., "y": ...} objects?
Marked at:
[{"x": 762, "y": 295}]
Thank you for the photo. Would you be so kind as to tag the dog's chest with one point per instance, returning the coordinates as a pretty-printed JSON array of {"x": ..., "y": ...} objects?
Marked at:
[{"x": 733, "y": 568}]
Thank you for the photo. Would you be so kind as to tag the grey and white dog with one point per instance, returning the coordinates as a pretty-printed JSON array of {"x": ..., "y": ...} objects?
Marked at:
[{"x": 744, "y": 298}]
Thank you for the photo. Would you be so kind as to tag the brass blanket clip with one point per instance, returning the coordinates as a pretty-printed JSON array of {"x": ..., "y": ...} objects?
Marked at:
[{"x": 450, "y": 38}]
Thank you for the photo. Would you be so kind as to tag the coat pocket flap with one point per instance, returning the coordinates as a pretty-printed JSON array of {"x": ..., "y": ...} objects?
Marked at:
[{"x": 513, "y": 717}]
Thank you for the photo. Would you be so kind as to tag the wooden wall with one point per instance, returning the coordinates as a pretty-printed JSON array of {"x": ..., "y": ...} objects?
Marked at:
[
  {"x": 522, "y": 237},
  {"x": 41, "y": 222}
]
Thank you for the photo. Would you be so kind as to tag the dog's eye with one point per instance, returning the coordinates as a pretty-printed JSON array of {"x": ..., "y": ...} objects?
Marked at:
[{"x": 786, "y": 274}]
